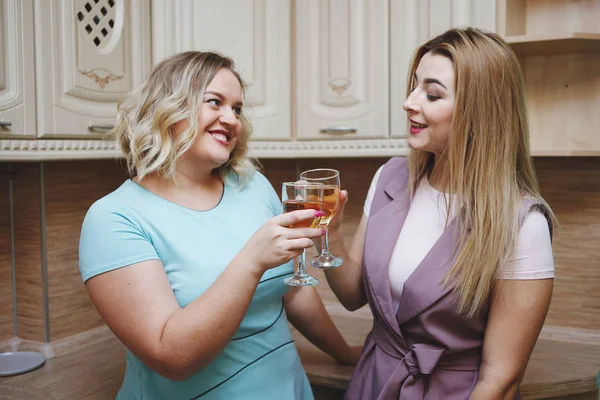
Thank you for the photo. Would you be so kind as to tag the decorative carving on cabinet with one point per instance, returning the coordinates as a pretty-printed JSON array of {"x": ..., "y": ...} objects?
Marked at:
[
  {"x": 101, "y": 80},
  {"x": 339, "y": 85}
]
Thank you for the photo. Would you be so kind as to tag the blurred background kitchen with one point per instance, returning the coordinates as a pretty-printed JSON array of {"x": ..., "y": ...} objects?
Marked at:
[{"x": 326, "y": 81}]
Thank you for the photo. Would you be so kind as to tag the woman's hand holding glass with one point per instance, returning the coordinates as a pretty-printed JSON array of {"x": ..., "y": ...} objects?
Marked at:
[
  {"x": 276, "y": 242},
  {"x": 330, "y": 179}
]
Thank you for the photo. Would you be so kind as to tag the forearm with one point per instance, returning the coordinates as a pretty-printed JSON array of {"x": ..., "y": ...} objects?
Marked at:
[
  {"x": 346, "y": 280},
  {"x": 197, "y": 333},
  {"x": 306, "y": 312}
]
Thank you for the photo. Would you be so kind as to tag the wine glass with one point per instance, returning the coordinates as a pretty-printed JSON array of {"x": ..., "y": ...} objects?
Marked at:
[
  {"x": 302, "y": 196},
  {"x": 330, "y": 178}
]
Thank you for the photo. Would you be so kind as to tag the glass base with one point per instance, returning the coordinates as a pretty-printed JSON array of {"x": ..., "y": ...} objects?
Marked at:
[
  {"x": 326, "y": 261},
  {"x": 301, "y": 280}
]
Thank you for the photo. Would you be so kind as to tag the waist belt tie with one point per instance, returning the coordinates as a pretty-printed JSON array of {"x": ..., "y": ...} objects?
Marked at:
[{"x": 410, "y": 376}]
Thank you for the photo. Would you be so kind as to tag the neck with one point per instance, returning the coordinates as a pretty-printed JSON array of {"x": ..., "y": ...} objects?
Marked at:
[
  {"x": 184, "y": 179},
  {"x": 197, "y": 190},
  {"x": 436, "y": 177}
]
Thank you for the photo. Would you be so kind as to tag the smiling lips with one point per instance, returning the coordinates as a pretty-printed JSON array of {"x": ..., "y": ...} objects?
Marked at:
[
  {"x": 415, "y": 127},
  {"x": 220, "y": 136}
]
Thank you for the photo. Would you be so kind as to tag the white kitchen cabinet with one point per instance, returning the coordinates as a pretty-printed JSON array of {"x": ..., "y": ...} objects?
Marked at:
[
  {"x": 254, "y": 33},
  {"x": 326, "y": 78},
  {"x": 342, "y": 69},
  {"x": 89, "y": 55},
  {"x": 17, "y": 79}
]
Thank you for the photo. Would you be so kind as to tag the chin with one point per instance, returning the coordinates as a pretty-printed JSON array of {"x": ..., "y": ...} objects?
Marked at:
[
  {"x": 413, "y": 143},
  {"x": 218, "y": 162}
]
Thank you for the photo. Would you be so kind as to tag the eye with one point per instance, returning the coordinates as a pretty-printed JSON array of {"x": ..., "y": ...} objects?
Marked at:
[
  {"x": 213, "y": 102},
  {"x": 237, "y": 110},
  {"x": 431, "y": 97}
]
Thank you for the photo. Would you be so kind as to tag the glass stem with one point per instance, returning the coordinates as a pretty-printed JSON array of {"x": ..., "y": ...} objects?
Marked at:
[
  {"x": 302, "y": 264},
  {"x": 325, "y": 242}
]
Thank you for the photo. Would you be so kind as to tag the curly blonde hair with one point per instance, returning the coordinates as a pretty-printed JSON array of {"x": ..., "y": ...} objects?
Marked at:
[{"x": 174, "y": 92}]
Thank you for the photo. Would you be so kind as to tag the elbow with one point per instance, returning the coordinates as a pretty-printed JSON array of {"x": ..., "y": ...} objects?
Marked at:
[
  {"x": 353, "y": 304},
  {"x": 173, "y": 367},
  {"x": 180, "y": 372},
  {"x": 170, "y": 371},
  {"x": 177, "y": 373}
]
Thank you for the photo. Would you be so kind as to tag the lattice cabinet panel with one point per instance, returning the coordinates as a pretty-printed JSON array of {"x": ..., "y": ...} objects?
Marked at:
[{"x": 92, "y": 54}]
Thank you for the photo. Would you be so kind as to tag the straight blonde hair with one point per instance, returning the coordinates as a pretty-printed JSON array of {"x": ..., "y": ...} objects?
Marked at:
[
  {"x": 174, "y": 92},
  {"x": 487, "y": 163}
]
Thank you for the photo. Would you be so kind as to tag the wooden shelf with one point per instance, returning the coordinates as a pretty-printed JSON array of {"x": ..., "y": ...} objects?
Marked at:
[
  {"x": 565, "y": 153},
  {"x": 574, "y": 42}
]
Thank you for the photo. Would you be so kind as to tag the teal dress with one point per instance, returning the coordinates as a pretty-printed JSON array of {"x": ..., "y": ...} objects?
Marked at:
[{"x": 131, "y": 225}]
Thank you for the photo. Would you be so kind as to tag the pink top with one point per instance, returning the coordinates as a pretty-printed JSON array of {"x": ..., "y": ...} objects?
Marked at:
[{"x": 426, "y": 221}]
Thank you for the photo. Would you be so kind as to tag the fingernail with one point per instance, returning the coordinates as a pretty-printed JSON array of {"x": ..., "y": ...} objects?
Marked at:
[
  {"x": 319, "y": 214},
  {"x": 322, "y": 232}
]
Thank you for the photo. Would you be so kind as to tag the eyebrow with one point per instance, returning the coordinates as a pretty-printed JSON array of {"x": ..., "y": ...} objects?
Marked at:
[
  {"x": 220, "y": 96},
  {"x": 432, "y": 80}
]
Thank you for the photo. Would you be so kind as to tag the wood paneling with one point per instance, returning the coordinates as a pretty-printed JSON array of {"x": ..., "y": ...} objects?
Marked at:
[
  {"x": 6, "y": 303},
  {"x": 571, "y": 186},
  {"x": 28, "y": 261},
  {"x": 71, "y": 188}
]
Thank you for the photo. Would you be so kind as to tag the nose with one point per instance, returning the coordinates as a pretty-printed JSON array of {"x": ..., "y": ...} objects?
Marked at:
[
  {"x": 228, "y": 116},
  {"x": 409, "y": 104}
]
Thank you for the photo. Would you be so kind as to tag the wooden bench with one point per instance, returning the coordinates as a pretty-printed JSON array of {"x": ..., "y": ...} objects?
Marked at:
[{"x": 558, "y": 367}]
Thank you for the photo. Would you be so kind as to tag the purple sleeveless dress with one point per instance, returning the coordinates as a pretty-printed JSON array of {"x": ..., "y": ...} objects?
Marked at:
[{"x": 426, "y": 350}]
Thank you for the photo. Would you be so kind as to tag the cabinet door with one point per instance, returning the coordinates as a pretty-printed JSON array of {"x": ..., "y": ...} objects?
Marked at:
[
  {"x": 89, "y": 55},
  {"x": 254, "y": 33},
  {"x": 413, "y": 22},
  {"x": 342, "y": 76},
  {"x": 17, "y": 92}
]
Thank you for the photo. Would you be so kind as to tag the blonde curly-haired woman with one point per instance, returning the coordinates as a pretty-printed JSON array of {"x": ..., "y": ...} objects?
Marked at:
[{"x": 185, "y": 261}]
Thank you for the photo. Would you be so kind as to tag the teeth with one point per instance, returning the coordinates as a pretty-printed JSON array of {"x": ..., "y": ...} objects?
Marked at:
[
  {"x": 419, "y": 125},
  {"x": 220, "y": 136}
]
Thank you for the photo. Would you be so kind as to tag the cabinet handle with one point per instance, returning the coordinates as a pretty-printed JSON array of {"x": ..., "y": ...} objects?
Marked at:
[
  {"x": 338, "y": 130},
  {"x": 5, "y": 124},
  {"x": 94, "y": 127}
]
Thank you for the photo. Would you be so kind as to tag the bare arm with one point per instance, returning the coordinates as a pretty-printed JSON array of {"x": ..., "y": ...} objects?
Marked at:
[
  {"x": 346, "y": 281},
  {"x": 306, "y": 312},
  {"x": 517, "y": 313},
  {"x": 138, "y": 304}
]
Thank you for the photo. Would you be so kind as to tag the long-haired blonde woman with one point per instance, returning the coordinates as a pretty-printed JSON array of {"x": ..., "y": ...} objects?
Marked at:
[
  {"x": 185, "y": 260},
  {"x": 453, "y": 253}
]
